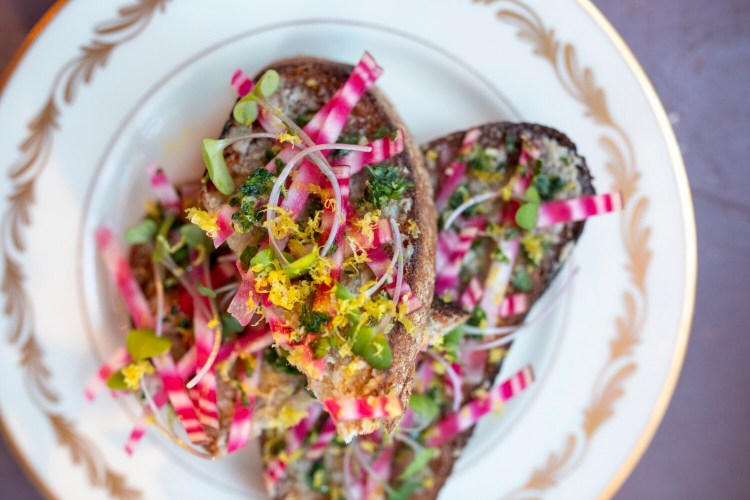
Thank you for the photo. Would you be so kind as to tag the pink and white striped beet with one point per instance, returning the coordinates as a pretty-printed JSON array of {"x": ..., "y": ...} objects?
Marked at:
[
  {"x": 241, "y": 83},
  {"x": 116, "y": 362},
  {"x": 165, "y": 192},
  {"x": 518, "y": 303},
  {"x": 496, "y": 282},
  {"x": 179, "y": 398},
  {"x": 119, "y": 268},
  {"x": 321, "y": 442},
  {"x": 562, "y": 211},
  {"x": 208, "y": 413},
  {"x": 349, "y": 409},
  {"x": 474, "y": 410}
]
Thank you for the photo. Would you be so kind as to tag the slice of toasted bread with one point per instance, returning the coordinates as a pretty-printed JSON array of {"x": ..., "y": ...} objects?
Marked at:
[
  {"x": 306, "y": 85},
  {"x": 440, "y": 153},
  {"x": 554, "y": 144}
]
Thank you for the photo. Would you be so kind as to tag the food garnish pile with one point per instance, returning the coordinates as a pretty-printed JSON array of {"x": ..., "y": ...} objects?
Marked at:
[{"x": 279, "y": 296}]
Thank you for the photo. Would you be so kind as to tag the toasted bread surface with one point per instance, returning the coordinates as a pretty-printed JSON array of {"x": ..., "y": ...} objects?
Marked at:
[{"x": 306, "y": 85}]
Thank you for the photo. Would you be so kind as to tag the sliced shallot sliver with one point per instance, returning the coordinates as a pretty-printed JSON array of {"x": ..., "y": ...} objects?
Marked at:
[
  {"x": 378, "y": 264},
  {"x": 562, "y": 211},
  {"x": 554, "y": 298},
  {"x": 474, "y": 200},
  {"x": 270, "y": 123},
  {"x": 116, "y": 362},
  {"x": 374, "y": 407},
  {"x": 166, "y": 194},
  {"x": 382, "y": 149},
  {"x": 119, "y": 269},
  {"x": 273, "y": 199},
  {"x": 447, "y": 278},
  {"x": 475, "y": 409},
  {"x": 360, "y": 80}
]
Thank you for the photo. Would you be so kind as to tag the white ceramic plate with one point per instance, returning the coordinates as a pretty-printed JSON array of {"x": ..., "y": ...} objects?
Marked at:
[{"x": 111, "y": 85}]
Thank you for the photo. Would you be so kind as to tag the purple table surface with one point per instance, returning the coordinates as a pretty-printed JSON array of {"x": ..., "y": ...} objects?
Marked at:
[{"x": 697, "y": 54}]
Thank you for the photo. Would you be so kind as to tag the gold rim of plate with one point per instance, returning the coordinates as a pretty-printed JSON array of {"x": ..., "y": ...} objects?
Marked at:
[{"x": 686, "y": 205}]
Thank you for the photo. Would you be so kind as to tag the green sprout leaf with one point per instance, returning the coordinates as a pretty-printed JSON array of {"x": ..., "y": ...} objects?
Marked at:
[
  {"x": 229, "y": 325},
  {"x": 424, "y": 406},
  {"x": 206, "y": 292},
  {"x": 213, "y": 157},
  {"x": 419, "y": 463},
  {"x": 532, "y": 195},
  {"x": 527, "y": 215},
  {"x": 194, "y": 236},
  {"x": 143, "y": 232},
  {"x": 405, "y": 491},
  {"x": 116, "y": 381},
  {"x": 143, "y": 344},
  {"x": 245, "y": 112},
  {"x": 268, "y": 83}
]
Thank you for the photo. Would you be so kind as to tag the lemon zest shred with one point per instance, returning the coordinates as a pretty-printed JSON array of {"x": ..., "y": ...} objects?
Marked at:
[
  {"x": 207, "y": 221},
  {"x": 285, "y": 136},
  {"x": 282, "y": 225},
  {"x": 134, "y": 372}
]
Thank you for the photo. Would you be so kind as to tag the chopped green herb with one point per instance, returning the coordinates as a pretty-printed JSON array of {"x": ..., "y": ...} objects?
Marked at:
[
  {"x": 321, "y": 347},
  {"x": 510, "y": 143},
  {"x": 384, "y": 184},
  {"x": 206, "y": 292},
  {"x": 194, "y": 236},
  {"x": 381, "y": 132},
  {"x": 143, "y": 232},
  {"x": 425, "y": 406},
  {"x": 312, "y": 321},
  {"x": 304, "y": 118},
  {"x": 247, "y": 255},
  {"x": 259, "y": 183},
  {"x": 278, "y": 362},
  {"x": 419, "y": 462},
  {"x": 521, "y": 279},
  {"x": 459, "y": 197},
  {"x": 480, "y": 160},
  {"x": 548, "y": 186},
  {"x": 478, "y": 316},
  {"x": 499, "y": 256},
  {"x": 317, "y": 477},
  {"x": 353, "y": 138}
]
